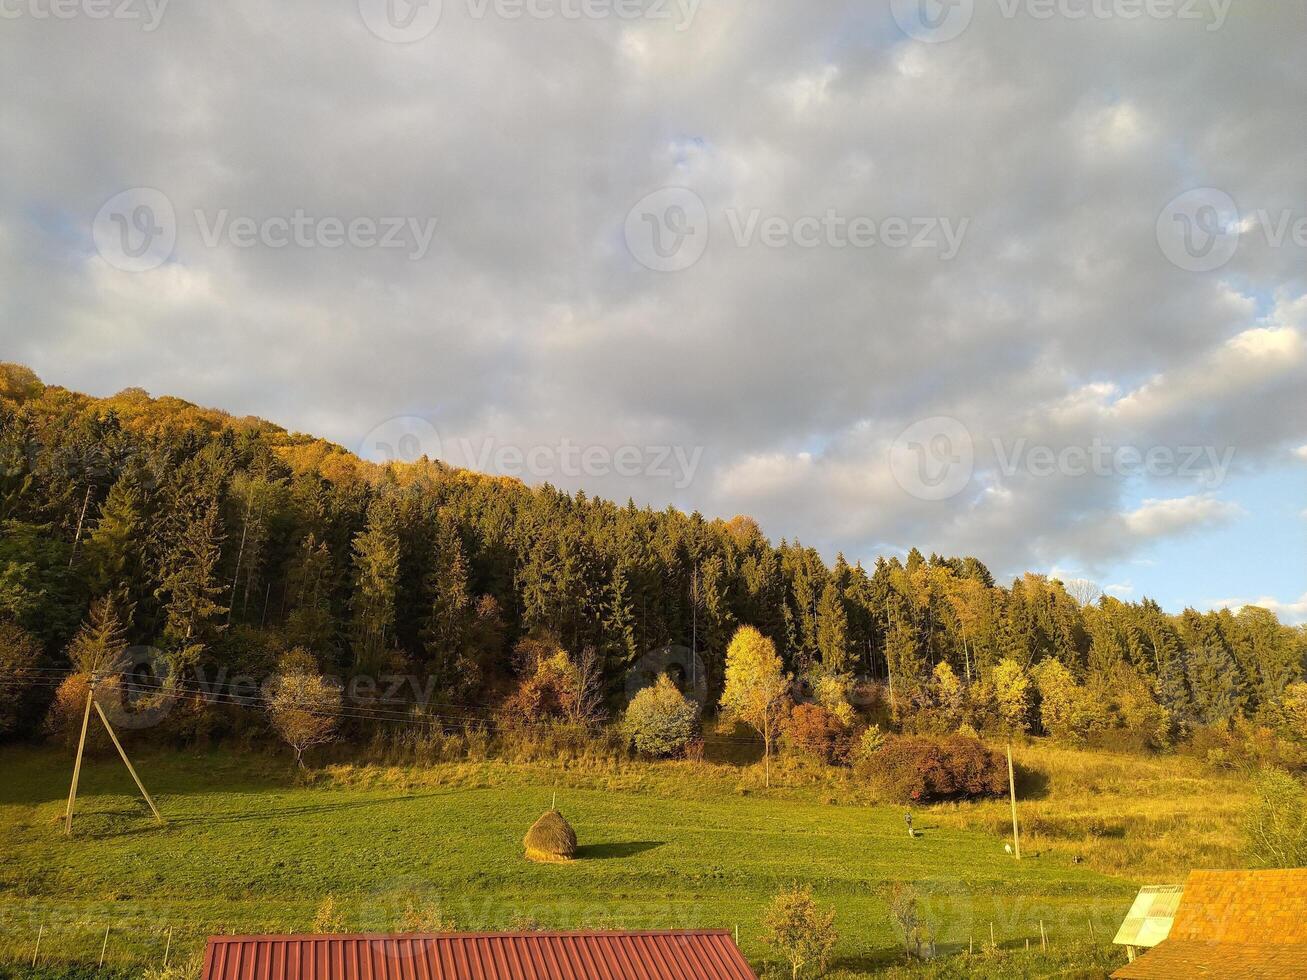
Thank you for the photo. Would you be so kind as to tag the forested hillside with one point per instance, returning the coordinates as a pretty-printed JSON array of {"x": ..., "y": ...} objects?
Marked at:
[{"x": 226, "y": 542}]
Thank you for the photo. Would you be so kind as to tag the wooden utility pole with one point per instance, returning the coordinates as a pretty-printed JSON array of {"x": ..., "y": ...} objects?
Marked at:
[
  {"x": 1012, "y": 789},
  {"x": 81, "y": 748},
  {"x": 77, "y": 766}
]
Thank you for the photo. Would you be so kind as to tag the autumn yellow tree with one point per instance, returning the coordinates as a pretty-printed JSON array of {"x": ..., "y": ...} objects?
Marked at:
[
  {"x": 757, "y": 688},
  {"x": 800, "y": 929},
  {"x": 303, "y": 707},
  {"x": 1059, "y": 697},
  {"x": 1012, "y": 694}
]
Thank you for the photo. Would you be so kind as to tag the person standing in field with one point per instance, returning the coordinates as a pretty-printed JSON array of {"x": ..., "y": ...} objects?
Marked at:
[{"x": 907, "y": 818}]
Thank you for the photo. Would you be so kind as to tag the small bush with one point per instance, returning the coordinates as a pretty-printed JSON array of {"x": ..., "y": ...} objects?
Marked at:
[
  {"x": 918, "y": 769},
  {"x": 660, "y": 720},
  {"x": 815, "y": 731}
]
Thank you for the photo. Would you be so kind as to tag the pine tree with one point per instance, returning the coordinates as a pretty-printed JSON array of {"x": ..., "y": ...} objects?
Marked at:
[
  {"x": 449, "y": 619},
  {"x": 376, "y": 575},
  {"x": 619, "y": 648},
  {"x": 113, "y": 550},
  {"x": 833, "y": 630},
  {"x": 100, "y": 644},
  {"x": 193, "y": 593}
]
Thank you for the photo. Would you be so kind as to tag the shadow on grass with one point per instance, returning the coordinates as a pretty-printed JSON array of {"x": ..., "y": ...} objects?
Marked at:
[
  {"x": 606, "y": 852},
  {"x": 106, "y": 823},
  {"x": 1032, "y": 784}
]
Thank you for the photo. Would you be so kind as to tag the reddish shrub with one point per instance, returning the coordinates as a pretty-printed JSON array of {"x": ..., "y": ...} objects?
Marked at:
[
  {"x": 815, "y": 731},
  {"x": 919, "y": 769}
]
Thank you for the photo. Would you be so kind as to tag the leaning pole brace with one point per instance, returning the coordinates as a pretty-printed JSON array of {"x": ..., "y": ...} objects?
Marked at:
[{"x": 128, "y": 763}]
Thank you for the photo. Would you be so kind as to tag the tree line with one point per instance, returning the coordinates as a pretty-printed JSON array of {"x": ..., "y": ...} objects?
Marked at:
[{"x": 226, "y": 542}]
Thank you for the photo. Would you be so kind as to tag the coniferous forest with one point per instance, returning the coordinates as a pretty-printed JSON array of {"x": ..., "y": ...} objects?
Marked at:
[{"x": 226, "y": 543}]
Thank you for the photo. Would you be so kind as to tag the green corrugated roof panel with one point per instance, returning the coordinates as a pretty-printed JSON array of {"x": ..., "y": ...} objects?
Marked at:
[{"x": 1149, "y": 920}]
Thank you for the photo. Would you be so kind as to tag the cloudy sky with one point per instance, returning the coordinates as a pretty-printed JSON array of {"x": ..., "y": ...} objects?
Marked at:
[{"x": 1026, "y": 281}]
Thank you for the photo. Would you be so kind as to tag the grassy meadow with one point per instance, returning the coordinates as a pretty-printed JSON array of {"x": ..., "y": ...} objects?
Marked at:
[{"x": 250, "y": 847}]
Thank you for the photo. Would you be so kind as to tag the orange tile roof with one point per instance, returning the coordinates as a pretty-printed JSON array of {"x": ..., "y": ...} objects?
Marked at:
[
  {"x": 1187, "y": 959},
  {"x": 1233, "y": 924}
]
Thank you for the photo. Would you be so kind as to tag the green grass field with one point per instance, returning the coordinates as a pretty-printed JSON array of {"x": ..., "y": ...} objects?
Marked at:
[{"x": 248, "y": 849}]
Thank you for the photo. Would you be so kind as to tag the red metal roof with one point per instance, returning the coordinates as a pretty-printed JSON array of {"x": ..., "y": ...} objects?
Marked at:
[{"x": 671, "y": 955}]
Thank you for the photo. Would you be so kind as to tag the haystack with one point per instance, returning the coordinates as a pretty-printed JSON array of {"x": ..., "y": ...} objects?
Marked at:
[{"x": 550, "y": 839}]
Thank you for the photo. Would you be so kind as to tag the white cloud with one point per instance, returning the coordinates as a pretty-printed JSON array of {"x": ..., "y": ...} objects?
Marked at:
[
  {"x": 1292, "y": 612},
  {"x": 1162, "y": 518}
]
